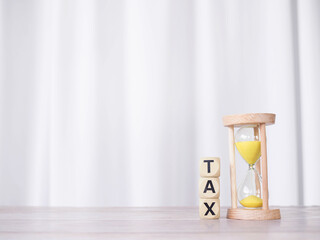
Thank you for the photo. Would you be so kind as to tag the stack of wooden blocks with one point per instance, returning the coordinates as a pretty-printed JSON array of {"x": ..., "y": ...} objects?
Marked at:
[{"x": 209, "y": 188}]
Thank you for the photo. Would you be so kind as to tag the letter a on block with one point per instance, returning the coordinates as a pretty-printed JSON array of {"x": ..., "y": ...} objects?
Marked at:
[
  {"x": 209, "y": 208},
  {"x": 210, "y": 167},
  {"x": 209, "y": 188}
]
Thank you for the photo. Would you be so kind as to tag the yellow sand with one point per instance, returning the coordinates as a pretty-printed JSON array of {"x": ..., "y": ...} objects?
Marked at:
[
  {"x": 251, "y": 202},
  {"x": 249, "y": 150}
]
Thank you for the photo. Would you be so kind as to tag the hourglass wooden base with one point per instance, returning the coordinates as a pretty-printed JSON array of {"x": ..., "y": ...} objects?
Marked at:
[{"x": 253, "y": 214}]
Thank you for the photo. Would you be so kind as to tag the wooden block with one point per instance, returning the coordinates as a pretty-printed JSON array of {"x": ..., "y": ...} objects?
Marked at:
[
  {"x": 209, "y": 188},
  {"x": 249, "y": 118},
  {"x": 210, "y": 167},
  {"x": 209, "y": 208}
]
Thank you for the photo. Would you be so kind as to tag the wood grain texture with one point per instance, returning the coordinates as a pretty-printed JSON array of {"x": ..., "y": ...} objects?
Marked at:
[
  {"x": 205, "y": 166},
  {"x": 264, "y": 162},
  {"x": 253, "y": 214},
  {"x": 257, "y": 165},
  {"x": 211, "y": 210},
  {"x": 36, "y": 223},
  {"x": 256, "y": 134},
  {"x": 248, "y": 118},
  {"x": 232, "y": 168},
  {"x": 212, "y": 185}
]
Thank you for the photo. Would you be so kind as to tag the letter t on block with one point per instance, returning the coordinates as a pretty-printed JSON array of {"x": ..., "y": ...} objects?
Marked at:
[{"x": 210, "y": 167}]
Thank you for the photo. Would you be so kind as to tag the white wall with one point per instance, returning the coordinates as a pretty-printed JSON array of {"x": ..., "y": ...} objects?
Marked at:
[{"x": 109, "y": 103}]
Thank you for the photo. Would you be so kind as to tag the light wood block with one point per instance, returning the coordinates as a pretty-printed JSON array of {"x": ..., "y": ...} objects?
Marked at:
[
  {"x": 265, "y": 191},
  {"x": 253, "y": 214},
  {"x": 209, "y": 208},
  {"x": 209, "y": 188},
  {"x": 210, "y": 167},
  {"x": 232, "y": 168},
  {"x": 249, "y": 118}
]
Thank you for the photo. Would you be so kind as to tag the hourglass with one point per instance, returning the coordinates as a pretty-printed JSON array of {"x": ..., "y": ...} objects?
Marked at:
[{"x": 250, "y": 141}]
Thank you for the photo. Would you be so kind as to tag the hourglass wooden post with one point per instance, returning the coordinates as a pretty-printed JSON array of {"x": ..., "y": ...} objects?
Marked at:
[{"x": 258, "y": 121}]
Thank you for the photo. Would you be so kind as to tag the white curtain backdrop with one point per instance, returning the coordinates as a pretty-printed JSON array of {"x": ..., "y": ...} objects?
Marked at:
[{"x": 113, "y": 102}]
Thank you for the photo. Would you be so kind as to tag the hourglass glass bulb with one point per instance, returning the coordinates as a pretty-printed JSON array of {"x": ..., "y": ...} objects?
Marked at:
[
  {"x": 249, "y": 191},
  {"x": 248, "y": 144},
  {"x": 249, "y": 147}
]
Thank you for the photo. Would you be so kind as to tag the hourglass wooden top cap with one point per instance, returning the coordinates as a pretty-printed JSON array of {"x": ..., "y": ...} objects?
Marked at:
[{"x": 249, "y": 118}]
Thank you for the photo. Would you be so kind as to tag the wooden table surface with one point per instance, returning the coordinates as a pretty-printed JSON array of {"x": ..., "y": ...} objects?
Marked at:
[{"x": 151, "y": 223}]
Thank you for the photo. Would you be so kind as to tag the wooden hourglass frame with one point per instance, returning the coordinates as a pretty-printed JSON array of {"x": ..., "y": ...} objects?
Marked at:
[{"x": 261, "y": 120}]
